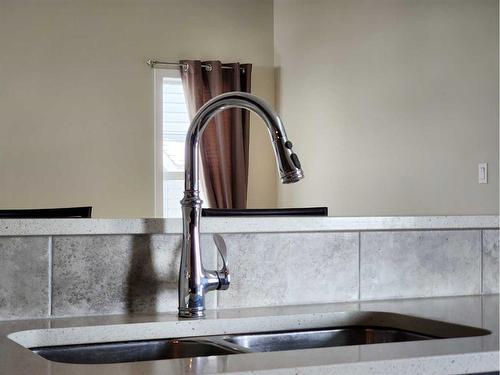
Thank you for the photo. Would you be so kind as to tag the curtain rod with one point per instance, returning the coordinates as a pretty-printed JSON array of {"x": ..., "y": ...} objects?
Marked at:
[{"x": 154, "y": 64}]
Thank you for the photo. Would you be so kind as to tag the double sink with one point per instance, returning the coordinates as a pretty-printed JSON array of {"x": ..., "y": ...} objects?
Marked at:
[
  {"x": 150, "y": 350},
  {"x": 350, "y": 328}
]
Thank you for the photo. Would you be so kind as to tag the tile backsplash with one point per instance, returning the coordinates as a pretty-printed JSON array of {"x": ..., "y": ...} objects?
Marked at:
[
  {"x": 115, "y": 274},
  {"x": 490, "y": 261},
  {"x": 420, "y": 264},
  {"x": 291, "y": 268},
  {"x": 24, "y": 277}
]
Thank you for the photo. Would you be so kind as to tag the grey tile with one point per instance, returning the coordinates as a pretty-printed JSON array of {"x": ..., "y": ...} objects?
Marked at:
[
  {"x": 491, "y": 322},
  {"x": 24, "y": 277},
  {"x": 117, "y": 274},
  {"x": 490, "y": 261},
  {"x": 290, "y": 268},
  {"x": 420, "y": 264}
]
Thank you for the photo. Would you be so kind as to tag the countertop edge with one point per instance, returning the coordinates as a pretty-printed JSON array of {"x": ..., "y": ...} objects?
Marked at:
[
  {"x": 54, "y": 227},
  {"x": 473, "y": 363}
]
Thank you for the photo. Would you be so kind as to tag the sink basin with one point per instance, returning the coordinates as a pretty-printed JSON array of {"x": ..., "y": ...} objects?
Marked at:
[
  {"x": 277, "y": 341},
  {"x": 161, "y": 340},
  {"x": 134, "y": 351}
]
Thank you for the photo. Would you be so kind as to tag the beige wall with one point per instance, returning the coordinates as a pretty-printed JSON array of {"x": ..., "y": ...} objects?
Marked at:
[
  {"x": 391, "y": 104},
  {"x": 76, "y": 98}
]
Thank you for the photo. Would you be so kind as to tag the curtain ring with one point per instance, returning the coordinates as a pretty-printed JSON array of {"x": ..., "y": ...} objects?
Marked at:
[
  {"x": 185, "y": 67},
  {"x": 208, "y": 67}
]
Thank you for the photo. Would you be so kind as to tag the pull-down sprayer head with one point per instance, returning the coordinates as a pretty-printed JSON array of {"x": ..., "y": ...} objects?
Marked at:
[{"x": 288, "y": 162}]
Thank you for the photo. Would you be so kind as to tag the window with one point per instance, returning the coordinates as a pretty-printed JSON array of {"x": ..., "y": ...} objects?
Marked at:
[{"x": 172, "y": 123}]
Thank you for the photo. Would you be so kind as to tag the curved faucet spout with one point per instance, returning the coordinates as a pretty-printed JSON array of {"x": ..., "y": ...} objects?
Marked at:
[
  {"x": 288, "y": 163},
  {"x": 194, "y": 280}
]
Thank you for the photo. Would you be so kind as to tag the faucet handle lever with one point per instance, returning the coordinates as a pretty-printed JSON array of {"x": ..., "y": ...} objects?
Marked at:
[{"x": 223, "y": 274}]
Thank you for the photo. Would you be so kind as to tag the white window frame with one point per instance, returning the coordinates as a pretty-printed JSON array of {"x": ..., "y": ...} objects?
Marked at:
[{"x": 160, "y": 175}]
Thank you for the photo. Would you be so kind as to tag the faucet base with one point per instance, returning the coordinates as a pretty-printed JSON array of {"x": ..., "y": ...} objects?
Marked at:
[{"x": 191, "y": 313}]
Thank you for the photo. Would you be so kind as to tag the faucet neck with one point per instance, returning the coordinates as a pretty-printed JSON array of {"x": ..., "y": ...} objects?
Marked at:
[{"x": 210, "y": 109}]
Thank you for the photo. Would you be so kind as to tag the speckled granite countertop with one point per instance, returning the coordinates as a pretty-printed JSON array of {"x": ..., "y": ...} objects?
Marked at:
[
  {"x": 444, "y": 356},
  {"x": 49, "y": 227}
]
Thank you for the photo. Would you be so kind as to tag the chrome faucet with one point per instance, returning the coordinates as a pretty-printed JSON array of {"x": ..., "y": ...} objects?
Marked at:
[{"x": 194, "y": 280}]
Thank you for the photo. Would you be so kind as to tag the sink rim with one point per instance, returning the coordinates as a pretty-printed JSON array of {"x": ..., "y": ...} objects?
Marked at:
[
  {"x": 223, "y": 342},
  {"x": 230, "y": 344},
  {"x": 232, "y": 326}
]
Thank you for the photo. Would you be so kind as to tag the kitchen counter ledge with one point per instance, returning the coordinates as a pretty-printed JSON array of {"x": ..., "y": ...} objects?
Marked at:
[{"x": 55, "y": 227}]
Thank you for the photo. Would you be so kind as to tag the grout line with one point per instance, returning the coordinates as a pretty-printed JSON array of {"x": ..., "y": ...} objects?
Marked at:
[
  {"x": 359, "y": 266},
  {"x": 481, "y": 265},
  {"x": 50, "y": 278},
  {"x": 482, "y": 312}
]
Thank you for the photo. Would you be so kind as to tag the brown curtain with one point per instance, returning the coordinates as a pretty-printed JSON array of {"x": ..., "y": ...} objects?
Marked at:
[{"x": 225, "y": 142}]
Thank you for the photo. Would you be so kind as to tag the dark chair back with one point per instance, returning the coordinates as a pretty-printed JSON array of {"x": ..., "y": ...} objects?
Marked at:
[
  {"x": 308, "y": 211},
  {"x": 47, "y": 213}
]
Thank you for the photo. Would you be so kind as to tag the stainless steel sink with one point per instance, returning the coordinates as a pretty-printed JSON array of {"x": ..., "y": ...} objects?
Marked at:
[
  {"x": 338, "y": 329},
  {"x": 226, "y": 344}
]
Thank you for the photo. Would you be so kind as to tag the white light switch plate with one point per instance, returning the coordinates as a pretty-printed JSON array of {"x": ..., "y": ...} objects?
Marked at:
[{"x": 483, "y": 173}]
